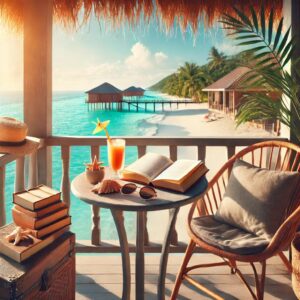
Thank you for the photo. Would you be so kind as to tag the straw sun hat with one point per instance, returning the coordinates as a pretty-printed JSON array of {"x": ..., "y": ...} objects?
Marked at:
[{"x": 14, "y": 139}]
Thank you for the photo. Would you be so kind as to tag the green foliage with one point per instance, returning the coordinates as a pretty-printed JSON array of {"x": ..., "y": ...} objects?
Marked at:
[
  {"x": 271, "y": 50},
  {"x": 190, "y": 79}
]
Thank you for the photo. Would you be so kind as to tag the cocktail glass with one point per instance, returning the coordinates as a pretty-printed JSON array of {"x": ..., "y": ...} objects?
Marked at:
[{"x": 116, "y": 155}]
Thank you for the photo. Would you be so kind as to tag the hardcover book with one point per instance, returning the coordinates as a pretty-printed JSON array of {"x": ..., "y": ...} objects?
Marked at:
[
  {"x": 23, "y": 220},
  {"x": 37, "y": 198},
  {"x": 161, "y": 171},
  {"x": 42, "y": 212},
  {"x": 40, "y": 233},
  {"x": 27, "y": 247}
]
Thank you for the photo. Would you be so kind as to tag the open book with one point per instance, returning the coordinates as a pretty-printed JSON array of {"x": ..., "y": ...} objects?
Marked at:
[{"x": 162, "y": 172}]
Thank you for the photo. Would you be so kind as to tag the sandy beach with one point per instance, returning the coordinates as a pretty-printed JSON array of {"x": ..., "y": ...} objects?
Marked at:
[{"x": 189, "y": 121}]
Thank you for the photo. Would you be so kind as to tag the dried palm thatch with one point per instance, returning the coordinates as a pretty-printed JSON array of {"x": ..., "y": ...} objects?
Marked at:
[{"x": 186, "y": 12}]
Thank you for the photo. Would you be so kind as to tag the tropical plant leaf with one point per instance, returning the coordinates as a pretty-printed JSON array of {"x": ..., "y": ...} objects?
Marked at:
[
  {"x": 254, "y": 19},
  {"x": 278, "y": 33},
  {"x": 271, "y": 51},
  {"x": 270, "y": 31},
  {"x": 283, "y": 42},
  {"x": 243, "y": 17},
  {"x": 247, "y": 36},
  {"x": 262, "y": 54},
  {"x": 249, "y": 42},
  {"x": 263, "y": 21},
  {"x": 289, "y": 47}
]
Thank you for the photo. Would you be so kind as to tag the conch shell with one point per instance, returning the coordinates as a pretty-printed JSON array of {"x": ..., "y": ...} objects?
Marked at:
[{"x": 107, "y": 186}]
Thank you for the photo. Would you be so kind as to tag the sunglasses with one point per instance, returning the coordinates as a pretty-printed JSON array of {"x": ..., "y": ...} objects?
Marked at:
[{"x": 146, "y": 192}]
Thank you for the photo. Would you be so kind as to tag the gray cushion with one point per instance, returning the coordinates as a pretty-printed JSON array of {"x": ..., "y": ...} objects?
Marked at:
[
  {"x": 227, "y": 237},
  {"x": 256, "y": 199}
]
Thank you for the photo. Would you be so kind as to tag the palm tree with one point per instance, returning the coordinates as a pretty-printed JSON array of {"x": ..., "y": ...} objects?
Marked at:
[
  {"x": 216, "y": 58},
  {"x": 193, "y": 79}
]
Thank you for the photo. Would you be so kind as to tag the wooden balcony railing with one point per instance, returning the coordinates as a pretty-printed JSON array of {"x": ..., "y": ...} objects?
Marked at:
[{"x": 95, "y": 144}]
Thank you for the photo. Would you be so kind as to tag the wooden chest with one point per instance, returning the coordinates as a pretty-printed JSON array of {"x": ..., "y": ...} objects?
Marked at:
[{"x": 50, "y": 274}]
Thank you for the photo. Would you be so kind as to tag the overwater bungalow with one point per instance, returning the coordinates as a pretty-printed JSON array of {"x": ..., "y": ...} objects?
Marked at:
[
  {"x": 104, "y": 93},
  {"x": 233, "y": 249},
  {"x": 133, "y": 92}
]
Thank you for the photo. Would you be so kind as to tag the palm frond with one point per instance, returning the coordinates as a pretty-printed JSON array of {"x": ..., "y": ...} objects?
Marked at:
[{"x": 271, "y": 50}]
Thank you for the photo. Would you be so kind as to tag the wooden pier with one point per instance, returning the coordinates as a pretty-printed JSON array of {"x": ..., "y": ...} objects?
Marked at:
[{"x": 138, "y": 105}]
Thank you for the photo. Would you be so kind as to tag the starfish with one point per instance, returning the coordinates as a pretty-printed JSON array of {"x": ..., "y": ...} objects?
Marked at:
[
  {"x": 19, "y": 234},
  {"x": 95, "y": 165},
  {"x": 101, "y": 126}
]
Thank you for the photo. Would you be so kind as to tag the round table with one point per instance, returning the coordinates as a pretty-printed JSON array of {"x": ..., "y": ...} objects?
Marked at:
[{"x": 118, "y": 203}]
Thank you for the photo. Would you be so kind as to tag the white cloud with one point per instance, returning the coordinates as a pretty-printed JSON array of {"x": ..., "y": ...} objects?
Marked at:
[
  {"x": 140, "y": 57},
  {"x": 160, "y": 57},
  {"x": 228, "y": 48},
  {"x": 141, "y": 68}
]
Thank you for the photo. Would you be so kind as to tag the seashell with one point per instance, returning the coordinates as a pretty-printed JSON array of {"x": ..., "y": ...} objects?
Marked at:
[
  {"x": 107, "y": 186},
  {"x": 18, "y": 235}
]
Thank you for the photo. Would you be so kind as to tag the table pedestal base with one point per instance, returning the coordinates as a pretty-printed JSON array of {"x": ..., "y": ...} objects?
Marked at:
[
  {"x": 140, "y": 255},
  {"x": 119, "y": 221}
]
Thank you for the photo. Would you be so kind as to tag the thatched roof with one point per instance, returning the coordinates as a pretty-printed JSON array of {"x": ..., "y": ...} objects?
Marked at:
[
  {"x": 228, "y": 82},
  {"x": 104, "y": 88},
  {"x": 186, "y": 12}
]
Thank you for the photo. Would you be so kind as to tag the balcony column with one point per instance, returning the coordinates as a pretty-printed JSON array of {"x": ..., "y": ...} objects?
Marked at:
[
  {"x": 38, "y": 77},
  {"x": 295, "y": 23}
]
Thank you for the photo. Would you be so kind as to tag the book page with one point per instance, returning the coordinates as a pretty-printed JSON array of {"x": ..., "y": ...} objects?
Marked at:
[
  {"x": 149, "y": 166},
  {"x": 179, "y": 170}
]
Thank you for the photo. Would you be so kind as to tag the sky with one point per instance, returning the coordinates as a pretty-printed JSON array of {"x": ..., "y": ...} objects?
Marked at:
[{"x": 95, "y": 53}]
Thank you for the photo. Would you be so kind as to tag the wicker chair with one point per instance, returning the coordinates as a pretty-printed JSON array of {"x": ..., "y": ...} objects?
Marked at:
[{"x": 273, "y": 155}]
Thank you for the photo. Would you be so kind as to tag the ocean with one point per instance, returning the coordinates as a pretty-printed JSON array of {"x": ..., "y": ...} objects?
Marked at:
[{"x": 71, "y": 117}]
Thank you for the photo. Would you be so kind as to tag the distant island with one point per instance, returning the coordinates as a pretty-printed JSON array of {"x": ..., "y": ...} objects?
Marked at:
[{"x": 189, "y": 79}]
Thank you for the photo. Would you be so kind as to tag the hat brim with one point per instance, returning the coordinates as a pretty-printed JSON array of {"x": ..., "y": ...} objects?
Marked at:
[{"x": 30, "y": 145}]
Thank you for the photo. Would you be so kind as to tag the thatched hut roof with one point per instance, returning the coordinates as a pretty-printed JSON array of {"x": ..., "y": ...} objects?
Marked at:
[
  {"x": 104, "y": 88},
  {"x": 229, "y": 81},
  {"x": 186, "y": 12},
  {"x": 234, "y": 80}
]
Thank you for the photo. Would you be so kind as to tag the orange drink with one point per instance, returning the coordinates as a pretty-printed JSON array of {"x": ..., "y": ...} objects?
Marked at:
[{"x": 116, "y": 154}]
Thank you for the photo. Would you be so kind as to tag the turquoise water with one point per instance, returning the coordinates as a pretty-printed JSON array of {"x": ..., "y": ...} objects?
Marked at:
[{"x": 71, "y": 117}]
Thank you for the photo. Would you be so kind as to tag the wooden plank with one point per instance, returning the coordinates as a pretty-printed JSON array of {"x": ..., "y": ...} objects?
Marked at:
[
  {"x": 2, "y": 196},
  {"x": 103, "y": 279}
]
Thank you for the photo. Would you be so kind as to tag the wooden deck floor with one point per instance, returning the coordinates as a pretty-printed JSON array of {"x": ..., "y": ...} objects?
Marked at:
[{"x": 100, "y": 277}]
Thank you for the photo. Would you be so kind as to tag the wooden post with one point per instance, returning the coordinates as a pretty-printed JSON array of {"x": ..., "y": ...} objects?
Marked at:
[
  {"x": 294, "y": 11},
  {"x": 38, "y": 78},
  {"x": 224, "y": 101},
  {"x": 233, "y": 103}
]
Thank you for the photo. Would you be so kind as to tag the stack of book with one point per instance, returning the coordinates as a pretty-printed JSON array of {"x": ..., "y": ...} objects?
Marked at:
[{"x": 41, "y": 210}]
